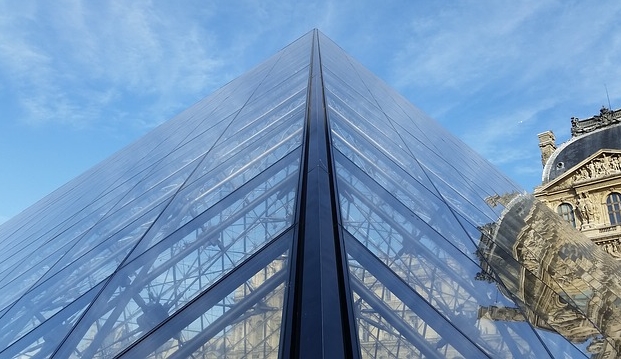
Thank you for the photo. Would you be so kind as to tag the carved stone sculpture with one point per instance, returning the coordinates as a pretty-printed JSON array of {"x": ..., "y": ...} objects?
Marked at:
[{"x": 605, "y": 118}]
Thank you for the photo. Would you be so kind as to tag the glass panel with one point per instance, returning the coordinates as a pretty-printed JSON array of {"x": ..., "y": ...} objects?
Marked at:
[
  {"x": 246, "y": 137},
  {"x": 48, "y": 297},
  {"x": 439, "y": 316},
  {"x": 250, "y": 325},
  {"x": 389, "y": 328},
  {"x": 194, "y": 199},
  {"x": 195, "y": 256},
  {"x": 427, "y": 246},
  {"x": 239, "y": 314},
  {"x": 372, "y": 211},
  {"x": 258, "y": 142},
  {"x": 350, "y": 136},
  {"x": 48, "y": 334}
]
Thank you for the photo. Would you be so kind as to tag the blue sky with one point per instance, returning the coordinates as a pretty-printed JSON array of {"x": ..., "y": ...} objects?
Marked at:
[{"x": 79, "y": 80}]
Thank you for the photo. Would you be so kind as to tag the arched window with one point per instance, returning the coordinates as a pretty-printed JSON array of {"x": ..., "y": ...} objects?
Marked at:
[
  {"x": 614, "y": 207},
  {"x": 566, "y": 211}
]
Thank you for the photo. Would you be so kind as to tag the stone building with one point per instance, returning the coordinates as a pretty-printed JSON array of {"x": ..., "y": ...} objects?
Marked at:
[{"x": 581, "y": 178}]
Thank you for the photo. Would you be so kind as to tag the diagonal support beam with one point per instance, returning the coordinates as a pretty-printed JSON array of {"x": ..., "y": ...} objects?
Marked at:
[
  {"x": 413, "y": 300},
  {"x": 211, "y": 297}
]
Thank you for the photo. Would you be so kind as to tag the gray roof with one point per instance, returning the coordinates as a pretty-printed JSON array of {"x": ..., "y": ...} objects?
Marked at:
[{"x": 579, "y": 148}]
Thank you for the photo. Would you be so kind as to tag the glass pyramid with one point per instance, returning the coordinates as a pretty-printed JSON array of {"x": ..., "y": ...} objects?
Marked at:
[{"x": 305, "y": 209}]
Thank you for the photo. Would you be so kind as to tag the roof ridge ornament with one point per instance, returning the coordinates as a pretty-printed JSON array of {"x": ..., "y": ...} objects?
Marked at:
[{"x": 605, "y": 118}]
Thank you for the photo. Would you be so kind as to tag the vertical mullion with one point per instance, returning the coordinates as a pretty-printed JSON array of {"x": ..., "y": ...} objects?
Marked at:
[{"x": 318, "y": 322}]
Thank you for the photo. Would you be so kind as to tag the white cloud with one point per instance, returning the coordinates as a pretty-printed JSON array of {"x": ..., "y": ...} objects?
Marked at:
[
  {"x": 529, "y": 46},
  {"x": 103, "y": 54},
  {"x": 462, "y": 43}
]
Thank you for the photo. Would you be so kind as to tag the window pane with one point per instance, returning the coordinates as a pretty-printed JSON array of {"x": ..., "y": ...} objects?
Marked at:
[
  {"x": 614, "y": 207},
  {"x": 566, "y": 211}
]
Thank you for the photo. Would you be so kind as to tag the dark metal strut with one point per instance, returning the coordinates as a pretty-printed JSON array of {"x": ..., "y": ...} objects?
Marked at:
[{"x": 319, "y": 321}]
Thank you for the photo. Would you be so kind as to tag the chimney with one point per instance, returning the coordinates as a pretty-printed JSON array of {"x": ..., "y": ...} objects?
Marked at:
[{"x": 547, "y": 145}]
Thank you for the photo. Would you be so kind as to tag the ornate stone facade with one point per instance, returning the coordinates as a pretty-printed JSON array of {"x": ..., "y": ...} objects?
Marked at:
[{"x": 587, "y": 193}]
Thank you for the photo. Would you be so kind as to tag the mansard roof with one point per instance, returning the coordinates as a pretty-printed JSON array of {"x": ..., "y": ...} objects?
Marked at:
[
  {"x": 601, "y": 165},
  {"x": 578, "y": 148}
]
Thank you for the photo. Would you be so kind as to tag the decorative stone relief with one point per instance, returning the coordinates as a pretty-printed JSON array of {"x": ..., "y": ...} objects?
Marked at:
[
  {"x": 612, "y": 247},
  {"x": 599, "y": 167},
  {"x": 501, "y": 313},
  {"x": 588, "y": 212},
  {"x": 606, "y": 117}
]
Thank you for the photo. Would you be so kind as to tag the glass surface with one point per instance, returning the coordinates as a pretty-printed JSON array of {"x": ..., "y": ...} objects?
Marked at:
[
  {"x": 70, "y": 276},
  {"x": 440, "y": 268},
  {"x": 202, "y": 250},
  {"x": 239, "y": 317},
  {"x": 417, "y": 208},
  {"x": 388, "y": 327},
  {"x": 257, "y": 145},
  {"x": 151, "y": 228},
  {"x": 562, "y": 274},
  {"x": 48, "y": 335}
]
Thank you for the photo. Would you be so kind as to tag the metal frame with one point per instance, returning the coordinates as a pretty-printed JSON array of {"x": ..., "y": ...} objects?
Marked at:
[{"x": 319, "y": 320}]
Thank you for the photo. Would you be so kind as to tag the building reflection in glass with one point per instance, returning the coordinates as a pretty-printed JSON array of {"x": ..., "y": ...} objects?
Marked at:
[{"x": 558, "y": 277}]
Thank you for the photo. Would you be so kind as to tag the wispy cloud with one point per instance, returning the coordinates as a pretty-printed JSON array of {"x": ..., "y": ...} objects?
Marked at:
[
  {"x": 455, "y": 46},
  {"x": 532, "y": 46},
  {"x": 104, "y": 55},
  {"x": 499, "y": 73}
]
